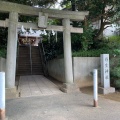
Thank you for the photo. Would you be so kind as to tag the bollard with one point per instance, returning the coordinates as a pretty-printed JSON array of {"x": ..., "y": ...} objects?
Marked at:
[
  {"x": 95, "y": 87},
  {"x": 2, "y": 95}
]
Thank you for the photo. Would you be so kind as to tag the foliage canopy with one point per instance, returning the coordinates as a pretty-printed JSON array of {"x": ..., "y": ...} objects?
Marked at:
[{"x": 105, "y": 11}]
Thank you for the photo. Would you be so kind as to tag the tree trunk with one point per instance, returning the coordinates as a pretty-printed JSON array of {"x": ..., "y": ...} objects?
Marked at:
[
  {"x": 99, "y": 32},
  {"x": 102, "y": 25},
  {"x": 73, "y": 2}
]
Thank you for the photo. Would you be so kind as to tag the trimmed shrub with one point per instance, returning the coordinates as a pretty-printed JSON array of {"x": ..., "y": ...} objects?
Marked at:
[
  {"x": 117, "y": 84},
  {"x": 3, "y": 52}
]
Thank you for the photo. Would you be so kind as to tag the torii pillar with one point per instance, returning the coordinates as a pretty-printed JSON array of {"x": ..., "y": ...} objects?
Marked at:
[
  {"x": 11, "y": 51},
  {"x": 69, "y": 85}
]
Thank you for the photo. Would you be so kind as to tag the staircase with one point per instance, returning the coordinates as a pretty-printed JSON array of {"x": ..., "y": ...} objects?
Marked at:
[
  {"x": 29, "y": 61},
  {"x": 37, "y": 68}
]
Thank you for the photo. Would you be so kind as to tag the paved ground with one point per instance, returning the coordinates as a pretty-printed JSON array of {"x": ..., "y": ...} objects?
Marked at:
[
  {"x": 72, "y": 106},
  {"x": 37, "y": 85},
  {"x": 112, "y": 96},
  {"x": 42, "y": 100}
]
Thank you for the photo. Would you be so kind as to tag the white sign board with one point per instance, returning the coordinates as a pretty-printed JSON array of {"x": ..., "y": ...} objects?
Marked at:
[
  {"x": 105, "y": 71},
  {"x": 42, "y": 20}
]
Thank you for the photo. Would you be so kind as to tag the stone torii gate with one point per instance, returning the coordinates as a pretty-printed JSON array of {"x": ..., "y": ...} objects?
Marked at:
[{"x": 12, "y": 23}]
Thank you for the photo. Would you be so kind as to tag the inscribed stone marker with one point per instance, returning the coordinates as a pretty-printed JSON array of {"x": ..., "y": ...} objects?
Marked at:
[{"x": 105, "y": 74}]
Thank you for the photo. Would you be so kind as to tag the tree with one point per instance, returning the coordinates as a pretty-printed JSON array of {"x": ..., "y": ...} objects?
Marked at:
[
  {"x": 107, "y": 11},
  {"x": 38, "y": 3}
]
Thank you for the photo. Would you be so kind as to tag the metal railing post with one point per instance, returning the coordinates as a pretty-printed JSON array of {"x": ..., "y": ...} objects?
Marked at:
[
  {"x": 95, "y": 87},
  {"x": 2, "y": 95}
]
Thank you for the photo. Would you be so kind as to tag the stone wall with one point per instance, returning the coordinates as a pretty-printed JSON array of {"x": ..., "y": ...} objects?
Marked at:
[
  {"x": 56, "y": 69},
  {"x": 82, "y": 67},
  {"x": 2, "y": 64}
]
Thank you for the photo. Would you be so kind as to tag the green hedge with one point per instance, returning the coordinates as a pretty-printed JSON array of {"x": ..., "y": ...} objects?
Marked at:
[
  {"x": 114, "y": 38},
  {"x": 91, "y": 53},
  {"x": 3, "y": 52}
]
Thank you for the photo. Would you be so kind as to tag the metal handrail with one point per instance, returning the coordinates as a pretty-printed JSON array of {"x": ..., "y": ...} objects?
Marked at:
[
  {"x": 43, "y": 53},
  {"x": 30, "y": 59},
  {"x": 17, "y": 57},
  {"x": 44, "y": 61}
]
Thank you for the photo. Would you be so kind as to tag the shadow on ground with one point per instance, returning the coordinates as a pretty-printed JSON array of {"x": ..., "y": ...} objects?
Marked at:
[{"x": 113, "y": 96}]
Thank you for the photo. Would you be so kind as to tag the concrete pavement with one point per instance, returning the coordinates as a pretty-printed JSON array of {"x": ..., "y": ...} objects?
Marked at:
[
  {"x": 36, "y": 85},
  {"x": 72, "y": 106}
]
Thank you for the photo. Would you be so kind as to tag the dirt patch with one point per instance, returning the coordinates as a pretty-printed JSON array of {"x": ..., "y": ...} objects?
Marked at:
[{"x": 113, "y": 96}]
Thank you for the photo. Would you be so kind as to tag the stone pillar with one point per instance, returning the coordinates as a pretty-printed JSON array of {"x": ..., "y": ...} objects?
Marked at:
[
  {"x": 67, "y": 51},
  {"x": 68, "y": 85},
  {"x": 105, "y": 71},
  {"x": 105, "y": 75},
  {"x": 11, "y": 50}
]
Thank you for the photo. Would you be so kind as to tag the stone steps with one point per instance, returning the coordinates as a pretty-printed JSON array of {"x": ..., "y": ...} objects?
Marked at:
[{"x": 24, "y": 64}]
